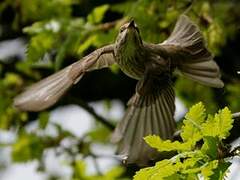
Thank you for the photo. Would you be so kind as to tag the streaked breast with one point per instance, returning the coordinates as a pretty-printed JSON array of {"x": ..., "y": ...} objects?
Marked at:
[{"x": 132, "y": 65}]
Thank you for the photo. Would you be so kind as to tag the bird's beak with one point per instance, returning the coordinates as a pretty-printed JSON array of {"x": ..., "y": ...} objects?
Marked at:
[{"x": 131, "y": 24}]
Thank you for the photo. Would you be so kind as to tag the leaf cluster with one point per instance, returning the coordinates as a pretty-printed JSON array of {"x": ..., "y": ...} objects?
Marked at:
[{"x": 202, "y": 152}]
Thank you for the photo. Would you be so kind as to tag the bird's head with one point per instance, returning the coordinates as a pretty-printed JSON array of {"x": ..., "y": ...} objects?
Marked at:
[{"x": 129, "y": 35}]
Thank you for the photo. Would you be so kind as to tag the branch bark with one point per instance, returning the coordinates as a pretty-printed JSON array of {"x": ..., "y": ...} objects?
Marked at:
[
  {"x": 91, "y": 111},
  {"x": 236, "y": 115}
]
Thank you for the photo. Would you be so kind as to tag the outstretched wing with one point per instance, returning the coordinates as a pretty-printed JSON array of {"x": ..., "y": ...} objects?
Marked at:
[
  {"x": 186, "y": 42},
  {"x": 47, "y": 92},
  {"x": 187, "y": 50}
]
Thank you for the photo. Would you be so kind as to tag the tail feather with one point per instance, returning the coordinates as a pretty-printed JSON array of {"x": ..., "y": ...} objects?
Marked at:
[
  {"x": 169, "y": 110},
  {"x": 153, "y": 114}
]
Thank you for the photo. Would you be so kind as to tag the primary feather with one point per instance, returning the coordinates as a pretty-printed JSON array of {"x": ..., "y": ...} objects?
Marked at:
[
  {"x": 188, "y": 52},
  {"x": 48, "y": 91}
]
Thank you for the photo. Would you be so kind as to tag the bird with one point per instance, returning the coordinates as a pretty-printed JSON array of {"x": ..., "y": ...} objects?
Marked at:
[{"x": 150, "y": 111}]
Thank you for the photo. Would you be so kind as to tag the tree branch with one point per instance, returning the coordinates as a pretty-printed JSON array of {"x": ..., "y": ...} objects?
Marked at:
[
  {"x": 236, "y": 115},
  {"x": 91, "y": 111},
  {"x": 108, "y": 25}
]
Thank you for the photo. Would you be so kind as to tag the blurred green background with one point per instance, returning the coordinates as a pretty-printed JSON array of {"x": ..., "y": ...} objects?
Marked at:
[{"x": 55, "y": 33}]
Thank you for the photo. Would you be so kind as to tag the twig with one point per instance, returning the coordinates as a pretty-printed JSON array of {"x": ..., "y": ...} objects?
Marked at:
[
  {"x": 236, "y": 115},
  {"x": 236, "y": 151},
  {"x": 91, "y": 111},
  {"x": 108, "y": 25},
  {"x": 96, "y": 164},
  {"x": 189, "y": 7}
]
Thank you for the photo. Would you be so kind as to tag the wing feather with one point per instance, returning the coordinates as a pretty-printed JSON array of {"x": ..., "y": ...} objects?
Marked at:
[
  {"x": 47, "y": 92},
  {"x": 187, "y": 50}
]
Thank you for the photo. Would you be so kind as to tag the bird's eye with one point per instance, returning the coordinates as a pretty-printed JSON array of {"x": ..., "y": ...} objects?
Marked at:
[{"x": 122, "y": 29}]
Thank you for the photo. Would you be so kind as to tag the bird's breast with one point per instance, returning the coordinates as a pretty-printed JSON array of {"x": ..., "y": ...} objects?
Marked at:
[{"x": 132, "y": 65}]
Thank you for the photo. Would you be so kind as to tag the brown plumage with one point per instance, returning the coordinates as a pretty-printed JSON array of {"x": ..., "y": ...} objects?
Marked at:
[{"x": 151, "y": 109}]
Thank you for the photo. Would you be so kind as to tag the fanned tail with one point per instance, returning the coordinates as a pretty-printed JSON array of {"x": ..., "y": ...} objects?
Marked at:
[
  {"x": 146, "y": 115},
  {"x": 191, "y": 55}
]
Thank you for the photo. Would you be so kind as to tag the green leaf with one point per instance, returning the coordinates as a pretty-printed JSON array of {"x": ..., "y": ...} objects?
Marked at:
[
  {"x": 191, "y": 130},
  {"x": 39, "y": 45},
  {"x": 27, "y": 147},
  {"x": 67, "y": 45},
  {"x": 100, "y": 134},
  {"x": 52, "y": 26},
  {"x": 115, "y": 68},
  {"x": 43, "y": 120},
  {"x": 192, "y": 162},
  {"x": 38, "y": 10},
  {"x": 180, "y": 166},
  {"x": 215, "y": 36},
  {"x": 79, "y": 170},
  {"x": 210, "y": 146},
  {"x": 97, "y": 14},
  {"x": 220, "y": 125},
  {"x": 207, "y": 170},
  {"x": 12, "y": 79},
  {"x": 104, "y": 38},
  {"x": 233, "y": 91},
  {"x": 114, "y": 173},
  {"x": 87, "y": 43},
  {"x": 26, "y": 68},
  {"x": 161, "y": 170},
  {"x": 161, "y": 145},
  {"x": 221, "y": 170}
]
